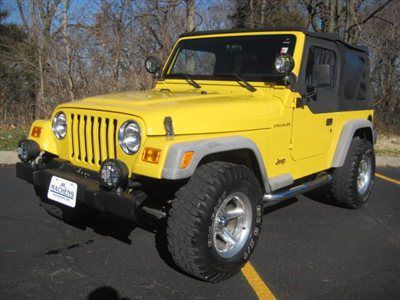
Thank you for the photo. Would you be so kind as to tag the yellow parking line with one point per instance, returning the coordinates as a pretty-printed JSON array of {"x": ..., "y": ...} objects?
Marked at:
[
  {"x": 260, "y": 288},
  {"x": 258, "y": 285},
  {"x": 387, "y": 178}
]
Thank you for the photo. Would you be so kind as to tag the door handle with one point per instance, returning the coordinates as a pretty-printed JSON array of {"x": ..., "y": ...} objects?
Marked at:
[{"x": 329, "y": 122}]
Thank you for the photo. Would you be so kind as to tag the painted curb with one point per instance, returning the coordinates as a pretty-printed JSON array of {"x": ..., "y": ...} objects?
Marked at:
[
  {"x": 388, "y": 161},
  {"x": 8, "y": 157}
]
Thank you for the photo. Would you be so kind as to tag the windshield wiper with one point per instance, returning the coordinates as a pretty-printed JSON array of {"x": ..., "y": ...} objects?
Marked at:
[
  {"x": 190, "y": 80},
  {"x": 239, "y": 78}
]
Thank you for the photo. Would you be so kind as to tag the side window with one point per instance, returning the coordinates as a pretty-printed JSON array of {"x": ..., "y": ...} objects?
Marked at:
[
  {"x": 321, "y": 56},
  {"x": 355, "y": 83}
]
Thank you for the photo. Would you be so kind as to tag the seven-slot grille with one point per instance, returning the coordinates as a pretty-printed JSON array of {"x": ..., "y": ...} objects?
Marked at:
[{"x": 92, "y": 139}]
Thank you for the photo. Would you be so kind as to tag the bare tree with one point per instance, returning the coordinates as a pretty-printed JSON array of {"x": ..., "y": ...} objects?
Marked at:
[
  {"x": 67, "y": 46},
  {"x": 345, "y": 18},
  {"x": 190, "y": 15},
  {"x": 39, "y": 27},
  {"x": 263, "y": 13},
  {"x": 70, "y": 49}
]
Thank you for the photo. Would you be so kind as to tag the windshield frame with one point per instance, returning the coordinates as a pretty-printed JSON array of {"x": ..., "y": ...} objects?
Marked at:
[{"x": 274, "y": 79}]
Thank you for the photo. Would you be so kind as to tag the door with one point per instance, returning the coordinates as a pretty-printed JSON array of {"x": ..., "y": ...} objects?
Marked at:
[{"x": 313, "y": 121}]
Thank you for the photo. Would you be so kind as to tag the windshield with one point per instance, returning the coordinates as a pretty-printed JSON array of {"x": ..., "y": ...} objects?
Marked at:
[{"x": 220, "y": 58}]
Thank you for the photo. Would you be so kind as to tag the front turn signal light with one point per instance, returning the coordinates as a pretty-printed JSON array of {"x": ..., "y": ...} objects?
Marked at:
[
  {"x": 36, "y": 131},
  {"x": 151, "y": 155},
  {"x": 186, "y": 159}
]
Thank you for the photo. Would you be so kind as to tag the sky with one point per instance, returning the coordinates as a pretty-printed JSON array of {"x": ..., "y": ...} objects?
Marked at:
[{"x": 12, "y": 8}]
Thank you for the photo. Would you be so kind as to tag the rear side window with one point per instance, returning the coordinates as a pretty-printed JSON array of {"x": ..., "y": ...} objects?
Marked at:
[
  {"x": 321, "y": 56},
  {"x": 355, "y": 85}
]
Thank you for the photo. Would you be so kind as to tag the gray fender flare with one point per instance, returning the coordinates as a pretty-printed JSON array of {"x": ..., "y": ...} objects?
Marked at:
[
  {"x": 205, "y": 147},
  {"x": 346, "y": 137}
]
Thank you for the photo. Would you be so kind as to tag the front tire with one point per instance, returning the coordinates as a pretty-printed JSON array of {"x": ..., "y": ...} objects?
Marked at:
[
  {"x": 215, "y": 221},
  {"x": 352, "y": 183}
]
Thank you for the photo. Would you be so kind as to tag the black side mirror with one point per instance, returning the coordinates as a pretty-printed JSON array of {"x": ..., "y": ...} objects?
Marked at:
[
  {"x": 321, "y": 76},
  {"x": 152, "y": 65}
]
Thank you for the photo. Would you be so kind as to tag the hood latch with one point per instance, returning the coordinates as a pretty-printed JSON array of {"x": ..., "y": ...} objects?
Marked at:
[{"x": 168, "y": 126}]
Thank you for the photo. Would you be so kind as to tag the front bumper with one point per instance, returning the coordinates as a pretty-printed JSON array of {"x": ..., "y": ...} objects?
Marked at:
[{"x": 90, "y": 193}]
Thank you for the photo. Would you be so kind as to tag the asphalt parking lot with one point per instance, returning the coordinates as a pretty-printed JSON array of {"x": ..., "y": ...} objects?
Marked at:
[{"x": 308, "y": 249}]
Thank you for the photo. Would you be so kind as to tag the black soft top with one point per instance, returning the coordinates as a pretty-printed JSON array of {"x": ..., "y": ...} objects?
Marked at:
[{"x": 320, "y": 35}]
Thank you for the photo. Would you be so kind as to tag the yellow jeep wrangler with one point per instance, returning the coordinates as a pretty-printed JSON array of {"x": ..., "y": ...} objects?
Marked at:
[{"x": 237, "y": 120}]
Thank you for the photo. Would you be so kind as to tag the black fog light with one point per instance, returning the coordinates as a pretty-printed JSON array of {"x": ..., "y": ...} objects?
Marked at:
[
  {"x": 28, "y": 150},
  {"x": 113, "y": 174}
]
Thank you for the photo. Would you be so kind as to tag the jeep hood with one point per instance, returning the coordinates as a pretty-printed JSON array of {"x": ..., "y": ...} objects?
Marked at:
[{"x": 191, "y": 112}]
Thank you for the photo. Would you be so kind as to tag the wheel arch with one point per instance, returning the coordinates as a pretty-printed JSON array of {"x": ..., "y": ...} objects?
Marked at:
[
  {"x": 235, "y": 149},
  {"x": 244, "y": 157},
  {"x": 361, "y": 128}
]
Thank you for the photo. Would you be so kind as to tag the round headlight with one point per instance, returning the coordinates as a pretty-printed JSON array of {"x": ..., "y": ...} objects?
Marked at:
[
  {"x": 284, "y": 64},
  {"x": 129, "y": 137},
  {"x": 60, "y": 125}
]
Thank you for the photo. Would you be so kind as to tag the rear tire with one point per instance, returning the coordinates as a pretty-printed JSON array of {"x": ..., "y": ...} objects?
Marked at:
[
  {"x": 352, "y": 183},
  {"x": 215, "y": 221}
]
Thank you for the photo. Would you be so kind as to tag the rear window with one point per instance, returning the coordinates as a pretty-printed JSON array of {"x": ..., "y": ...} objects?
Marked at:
[{"x": 355, "y": 85}]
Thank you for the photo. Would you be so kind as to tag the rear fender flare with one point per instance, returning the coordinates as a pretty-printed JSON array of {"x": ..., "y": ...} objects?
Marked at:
[{"x": 346, "y": 137}]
